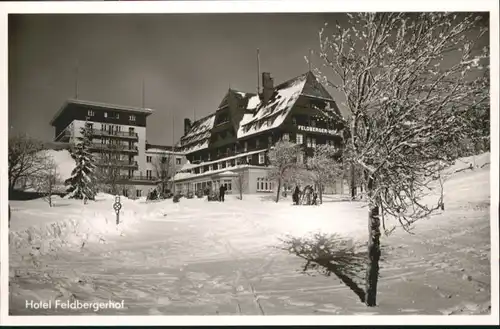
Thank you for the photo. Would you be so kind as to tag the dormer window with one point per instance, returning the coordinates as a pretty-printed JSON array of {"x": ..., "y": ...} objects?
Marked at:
[
  {"x": 294, "y": 120},
  {"x": 257, "y": 143},
  {"x": 313, "y": 123},
  {"x": 131, "y": 117},
  {"x": 90, "y": 113},
  {"x": 105, "y": 114}
]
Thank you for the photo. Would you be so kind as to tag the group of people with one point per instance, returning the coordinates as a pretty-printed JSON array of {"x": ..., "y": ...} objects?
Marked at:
[{"x": 310, "y": 195}]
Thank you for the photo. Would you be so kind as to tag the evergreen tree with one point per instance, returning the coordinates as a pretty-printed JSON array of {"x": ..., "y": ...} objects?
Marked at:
[{"x": 82, "y": 180}]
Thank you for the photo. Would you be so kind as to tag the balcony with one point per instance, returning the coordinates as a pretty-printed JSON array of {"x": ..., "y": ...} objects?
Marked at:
[
  {"x": 122, "y": 164},
  {"x": 97, "y": 147},
  {"x": 64, "y": 136},
  {"x": 117, "y": 134},
  {"x": 140, "y": 178}
]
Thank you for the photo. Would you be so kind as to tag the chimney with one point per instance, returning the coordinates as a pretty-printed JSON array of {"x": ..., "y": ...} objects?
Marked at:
[
  {"x": 187, "y": 125},
  {"x": 267, "y": 86}
]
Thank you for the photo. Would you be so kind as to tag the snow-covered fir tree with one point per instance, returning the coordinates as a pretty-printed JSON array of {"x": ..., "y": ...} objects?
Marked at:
[{"x": 82, "y": 181}]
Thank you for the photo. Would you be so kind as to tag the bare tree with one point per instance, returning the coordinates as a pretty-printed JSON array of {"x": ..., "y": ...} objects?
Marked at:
[
  {"x": 324, "y": 167},
  {"x": 409, "y": 80},
  {"x": 283, "y": 157},
  {"x": 110, "y": 164},
  {"x": 26, "y": 159},
  {"x": 162, "y": 165},
  {"x": 240, "y": 183},
  {"x": 47, "y": 181}
]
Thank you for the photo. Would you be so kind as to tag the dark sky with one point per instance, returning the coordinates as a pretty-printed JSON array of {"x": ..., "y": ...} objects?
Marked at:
[{"x": 188, "y": 62}]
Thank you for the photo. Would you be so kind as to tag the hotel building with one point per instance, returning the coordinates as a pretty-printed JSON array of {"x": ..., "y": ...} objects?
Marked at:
[
  {"x": 119, "y": 131},
  {"x": 233, "y": 141}
]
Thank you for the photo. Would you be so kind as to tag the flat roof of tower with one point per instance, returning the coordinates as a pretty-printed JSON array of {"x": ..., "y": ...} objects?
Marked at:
[{"x": 100, "y": 105}]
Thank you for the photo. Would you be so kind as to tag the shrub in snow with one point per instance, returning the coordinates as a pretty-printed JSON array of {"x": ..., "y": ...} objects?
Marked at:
[
  {"x": 176, "y": 198},
  {"x": 330, "y": 254},
  {"x": 199, "y": 194},
  {"x": 190, "y": 195}
]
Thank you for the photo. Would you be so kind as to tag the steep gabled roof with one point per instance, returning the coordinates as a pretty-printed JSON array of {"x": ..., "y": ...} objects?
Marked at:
[
  {"x": 274, "y": 112},
  {"x": 198, "y": 135}
]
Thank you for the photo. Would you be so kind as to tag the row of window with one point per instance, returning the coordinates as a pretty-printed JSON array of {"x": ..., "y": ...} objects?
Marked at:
[
  {"x": 232, "y": 163},
  {"x": 149, "y": 159},
  {"x": 264, "y": 184},
  {"x": 91, "y": 113}
]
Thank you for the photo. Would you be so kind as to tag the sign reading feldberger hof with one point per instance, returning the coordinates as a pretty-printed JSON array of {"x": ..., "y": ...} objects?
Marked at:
[
  {"x": 318, "y": 130},
  {"x": 75, "y": 305}
]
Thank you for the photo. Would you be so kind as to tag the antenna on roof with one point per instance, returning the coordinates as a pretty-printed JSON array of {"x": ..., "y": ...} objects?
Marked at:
[
  {"x": 143, "y": 96},
  {"x": 258, "y": 71},
  {"x": 76, "y": 78}
]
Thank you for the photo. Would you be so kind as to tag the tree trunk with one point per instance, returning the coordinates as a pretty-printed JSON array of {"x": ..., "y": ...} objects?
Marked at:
[
  {"x": 353, "y": 184},
  {"x": 278, "y": 191},
  {"x": 320, "y": 194},
  {"x": 372, "y": 270}
]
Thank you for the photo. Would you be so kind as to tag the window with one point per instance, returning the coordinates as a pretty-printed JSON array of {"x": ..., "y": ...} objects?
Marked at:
[
  {"x": 262, "y": 158},
  {"x": 131, "y": 117},
  {"x": 149, "y": 159},
  {"x": 214, "y": 167},
  {"x": 138, "y": 193},
  {"x": 313, "y": 142},
  {"x": 90, "y": 113},
  {"x": 178, "y": 160},
  {"x": 286, "y": 137},
  {"x": 300, "y": 139},
  {"x": 257, "y": 143},
  {"x": 249, "y": 159},
  {"x": 264, "y": 184},
  {"x": 270, "y": 140},
  {"x": 308, "y": 142},
  {"x": 300, "y": 158},
  {"x": 219, "y": 165},
  {"x": 245, "y": 147},
  {"x": 163, "y": 159},
  {"x": 149, "y": 174},
  {"x": 228, "y": 164},
  {"x": 294, "y": 120},
  {"x": 313, "y": 123},
  {"x": 118, "y": 115},
  {"x": 105, "y": 114}
]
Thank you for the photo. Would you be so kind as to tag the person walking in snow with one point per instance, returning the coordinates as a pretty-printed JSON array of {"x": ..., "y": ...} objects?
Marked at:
[
  {"x": 295, "y": 195},
  {"x": 315, "y": 198},
  {"x": 222, "y": 191}
]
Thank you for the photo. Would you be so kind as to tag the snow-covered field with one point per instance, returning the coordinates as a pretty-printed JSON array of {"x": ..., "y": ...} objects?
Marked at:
[{"x": 208, "y": 258}]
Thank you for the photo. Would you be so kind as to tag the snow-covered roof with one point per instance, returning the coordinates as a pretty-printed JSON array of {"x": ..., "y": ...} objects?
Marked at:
[
  {"x": 198, "y": 135},
  {"x": 227, "y": 173},
  {"x": 182, "y": 175},
  {"x": 188, "y": 165},
  {"x": 272, "y": 114},
  {"x": 185, "y": 176},
  {"x": 207, "y": 163}
]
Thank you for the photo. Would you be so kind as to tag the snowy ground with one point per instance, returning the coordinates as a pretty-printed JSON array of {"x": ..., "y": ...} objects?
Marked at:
[{"x": 201, "y": 258}]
